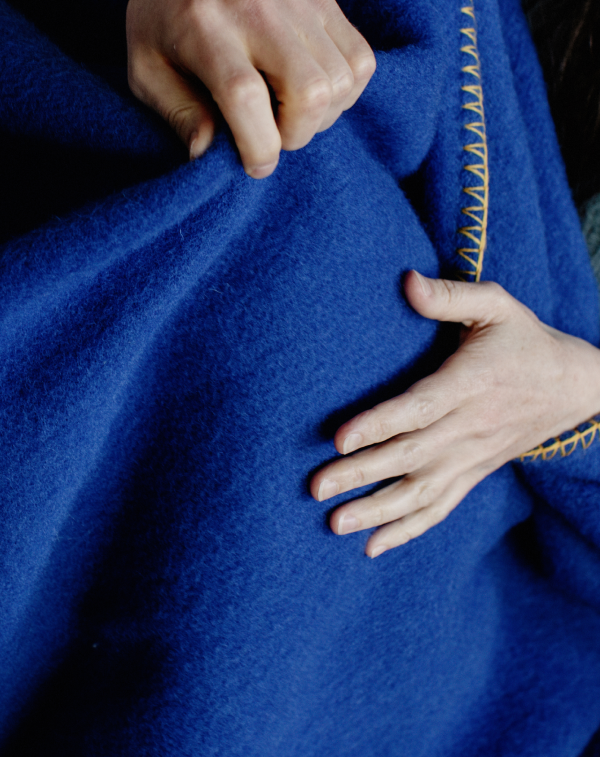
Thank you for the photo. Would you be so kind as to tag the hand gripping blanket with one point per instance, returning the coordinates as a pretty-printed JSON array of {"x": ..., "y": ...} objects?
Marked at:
[{"x": 178, "y": 344}]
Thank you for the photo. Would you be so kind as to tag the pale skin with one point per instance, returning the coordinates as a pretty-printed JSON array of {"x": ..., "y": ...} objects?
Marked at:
[
  {"x": 512, "y": 384},
  {"x": 315, "y": 61}
]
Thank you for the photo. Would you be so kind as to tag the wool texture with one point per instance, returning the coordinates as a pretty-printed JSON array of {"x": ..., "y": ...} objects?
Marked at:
[{"x": 178, "y": 345}]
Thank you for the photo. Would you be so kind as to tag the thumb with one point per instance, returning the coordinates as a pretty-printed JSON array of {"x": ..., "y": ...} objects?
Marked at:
[
  {"x": 479, "y": 303},
  {"x": 162, "y": 88}
]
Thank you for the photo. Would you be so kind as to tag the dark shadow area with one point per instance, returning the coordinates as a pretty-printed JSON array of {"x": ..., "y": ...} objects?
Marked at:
[
  {"x": 445, "y": 343},
  {"x": 593, "y": 748},
  {"x": 43, "y": 181},
  {"x": 81, "y": 681},
  {"x": 525, "y": 544},
  {"x": 566, "y": 34},
  {"x": 92, "y": 32}
]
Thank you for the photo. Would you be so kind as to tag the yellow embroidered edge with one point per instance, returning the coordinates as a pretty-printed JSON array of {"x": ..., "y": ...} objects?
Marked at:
[
  {"x": 567, "y": 446},
  {"x": 477, "y": 211}
]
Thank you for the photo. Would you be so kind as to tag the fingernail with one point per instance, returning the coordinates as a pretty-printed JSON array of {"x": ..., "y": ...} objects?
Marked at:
[
  {"x": 260, "y": 172},
  {"x": 352, "y": 442},
  {"x": 198, "y": 145},
  {"x": 327, "y": 489},
  {"x": 425, "y": 285},
  {"x": 347, "y": 524},
  {"x": 378, "y": 551},
  {"x": 194, "y": 152}
]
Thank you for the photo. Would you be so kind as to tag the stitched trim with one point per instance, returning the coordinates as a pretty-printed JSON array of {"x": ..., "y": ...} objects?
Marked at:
[
  {"x": 584, "y": 435},
  {"x": 476, "y": 211},
  {"x": 478, "y": 193}
]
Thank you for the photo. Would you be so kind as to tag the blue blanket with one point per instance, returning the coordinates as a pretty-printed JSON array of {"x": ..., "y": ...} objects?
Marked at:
[{"x": 178, "y": 344}]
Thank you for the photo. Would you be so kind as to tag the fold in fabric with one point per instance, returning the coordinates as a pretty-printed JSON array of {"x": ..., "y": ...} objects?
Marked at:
[{"x": 178, "y": 345}]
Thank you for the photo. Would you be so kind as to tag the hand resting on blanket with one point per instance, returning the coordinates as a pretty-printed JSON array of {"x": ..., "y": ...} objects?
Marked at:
[
  {"x": 512, "y": 384},
  {"x": 316, "y": 63}
]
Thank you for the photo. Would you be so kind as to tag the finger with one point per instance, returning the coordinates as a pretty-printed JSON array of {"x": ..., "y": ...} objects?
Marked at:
[
  {"x": 355, "y": 49},
  {"x": 400, "y": 455},
  {"x": 303, "y": 89},
  {"x": 422, "y": 405},
  {"x": 242, "y": 96},
  {"x": 467, "y": 462},
  {"x": 320, "y": 46},
  {"x": 457, "y": 301},
  {"x": 154, "y": 81},
  {"x": 392, "y": 502},
  {"x": 417, "y": 523}
]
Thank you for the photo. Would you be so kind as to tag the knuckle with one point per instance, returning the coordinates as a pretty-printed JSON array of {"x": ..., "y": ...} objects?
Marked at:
[
  {"x": 343, "y": 86},
  {"x": 432, "y": 517},
  {"x": 363, "y": 64},
  {"x": 452, "y": 291},
  {"x": 241, "y": 91},
  {"x": 198, "y": 14},
  {"x": 424, "y": 412},
  {"x": 493, "y": 287},
  {"x": 356, "y": 475},
  {"x": 439, "y": 514},
  {"x": 380, "y": 429},
  {"x": 315, "y": 97},
  {"x": 408, "y": 534},
  {"x": 409, "y": 454},
  {"x": 491, "y": 423},
  {"x": 496, "y": 292},
  {"x": 425, "y": 493},
  {"x": 376, "y": 516},
  {"x": 178, "y": 115}
]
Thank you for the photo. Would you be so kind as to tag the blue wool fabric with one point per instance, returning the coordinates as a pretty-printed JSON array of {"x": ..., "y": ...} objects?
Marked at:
[{"x": 178, "y": 345}]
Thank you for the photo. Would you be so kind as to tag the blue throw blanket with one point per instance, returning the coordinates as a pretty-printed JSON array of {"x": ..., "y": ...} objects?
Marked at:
[{"x": 178, "y": 344}]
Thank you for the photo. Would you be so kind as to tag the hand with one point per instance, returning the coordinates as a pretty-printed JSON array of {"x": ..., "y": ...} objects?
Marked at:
[
  {"x": 512, "y": 384},
  {"x": 315, "y": 61}
]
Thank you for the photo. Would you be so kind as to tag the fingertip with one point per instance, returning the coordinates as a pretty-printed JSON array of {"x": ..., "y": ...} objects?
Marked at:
[
  {"x": 313, "y": 487},
  {"x": 340, "y": 437},
  {"x": 261, "y": 172},
  {"x": 417, "y": 286},
  {"x": 424, "y": 283},
  {"x": 343, "y": 444},
  {"x": 245, "y": 103},
  {"x": 352, "y": 442},
  {"x": 327, "y": 489},
  {"x": 421, "y": 293},
  {"x": 201, "y": 139},
  {"x": 375, "y": 551},
  {"x": 341, "y": 523},
  {"x": 334, "y": 521},
  {"x": 321, "y": 487},
  {"x": 347, "y": 440},
  {"x": 348, "y": 524}
]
